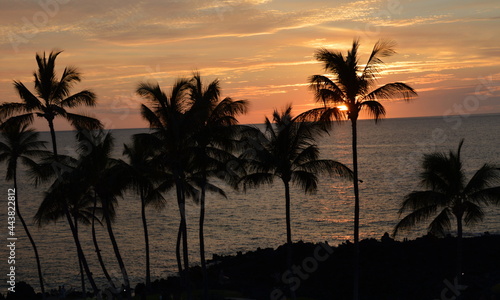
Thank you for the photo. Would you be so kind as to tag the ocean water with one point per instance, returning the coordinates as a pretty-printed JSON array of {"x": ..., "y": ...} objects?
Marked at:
[{"x": 389, "y": 162}]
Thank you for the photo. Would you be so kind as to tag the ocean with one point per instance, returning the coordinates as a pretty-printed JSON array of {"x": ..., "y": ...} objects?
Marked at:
[{"x": 389, "y": 152}]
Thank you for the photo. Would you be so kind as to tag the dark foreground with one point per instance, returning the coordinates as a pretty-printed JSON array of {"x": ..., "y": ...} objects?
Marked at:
[{"x": 418, "y": 269}]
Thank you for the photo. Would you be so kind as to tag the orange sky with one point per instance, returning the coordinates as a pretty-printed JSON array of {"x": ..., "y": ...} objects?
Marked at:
[{"x": 261, "y": 50}]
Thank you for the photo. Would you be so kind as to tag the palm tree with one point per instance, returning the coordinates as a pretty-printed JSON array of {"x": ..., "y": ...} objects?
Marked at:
[
  {"x": 214, "y": 140},
  {"x": 353, "y": 87},
  {"x": 94, "y": 175},
  {"x": 51, "y": 100},
  {"x": 104, "y": 177},
  {"x": 63, "y": 200},
  {"x": 171, "y": 135},
  {"x": 143, "y": 175},
  {"x": 287, "y": 150},
  {"x": 22, "y": 144},
  {"x": 449, "y": 196}
]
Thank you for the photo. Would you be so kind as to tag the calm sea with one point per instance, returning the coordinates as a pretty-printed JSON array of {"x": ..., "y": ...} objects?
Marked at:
[{"x": 389, "y": 161}]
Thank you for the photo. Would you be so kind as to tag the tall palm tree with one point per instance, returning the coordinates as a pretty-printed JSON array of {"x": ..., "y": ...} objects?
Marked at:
[
  {"x": 51, "y": 99},
  {"x": 287, "y": 150},
  {"x": 62, "y": 200},
  {"x": 450, "y": 196},
  {"x": 94, "y": 175},
  {"x": 171, "y": 134},
  {"x": 213, "y": 142},
  {"x": 354, "y": 88},
  {"x": 143, "y": 176},
  {"x": 104, "y": 177},
  {"x": 22, "y": 144}
]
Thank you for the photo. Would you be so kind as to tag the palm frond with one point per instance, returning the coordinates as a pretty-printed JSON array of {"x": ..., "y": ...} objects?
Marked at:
[
  {"x": 421, "y": 199},
  {"x": 375, "y": 109},
  {"x": 473, "y": 213},
  {"x": 86, "y": 97},
  {"x": 31, "y": 102},
  {"x": 392, "y": 90},
  {"x": 415, "y": 217},
  {"x": 80, "y": 121},
  {"x": 486, "y": 176},
  {"x": 441, "y": 224}
]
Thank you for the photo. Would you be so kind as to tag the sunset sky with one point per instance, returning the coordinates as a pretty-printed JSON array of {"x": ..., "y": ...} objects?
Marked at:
[{"x": 261, "y": 50}]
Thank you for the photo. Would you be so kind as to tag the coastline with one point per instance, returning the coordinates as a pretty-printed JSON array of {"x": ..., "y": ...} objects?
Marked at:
[{"x": 414, "y": 269}]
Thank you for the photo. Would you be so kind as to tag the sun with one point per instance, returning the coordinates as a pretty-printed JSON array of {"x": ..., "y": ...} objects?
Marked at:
[{"x": 342, "y": 108}]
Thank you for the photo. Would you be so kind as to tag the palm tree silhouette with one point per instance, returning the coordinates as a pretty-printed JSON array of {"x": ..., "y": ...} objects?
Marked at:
[
  {"x": 143, "y": 176},
  {"x": 22, "y": 144},
  {"x": 354, "y": 87},
  {"x": 214, "y": 140},
  {"x": 171, "y": 134},
  {"x": 51, "y": 100},
  {"x": 104, "y": 177},
  {"x": 287, "y": 150},
  {"x": 449, "y": 196},
  {"x": 64, "y": 199}
]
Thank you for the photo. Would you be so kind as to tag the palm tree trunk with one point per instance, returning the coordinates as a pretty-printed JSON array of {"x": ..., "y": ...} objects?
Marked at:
[
  {"x": 82, "y": 277},
  {"x": 459, "y": 247},
  {"x": 202, "y": 242},
  {"x": 356, "y": 209},
  {"x": 183, "y": 227},
  {"x": 53, "y": 136},
  {"x": 117, "y": 251},
  {"x": 287, "y": 211},
  {"x": 178, "y": 250},
  {"x": 81, "y": 255},
  {"x": 289, "y": 244},
  {"x": 98, "y": 251},
  {"x": 32, "y": 241},
  {"x": 146, "y": 241}
]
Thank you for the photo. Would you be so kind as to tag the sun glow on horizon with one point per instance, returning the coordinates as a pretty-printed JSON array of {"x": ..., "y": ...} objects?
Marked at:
[{"x": 342, "y": 108}]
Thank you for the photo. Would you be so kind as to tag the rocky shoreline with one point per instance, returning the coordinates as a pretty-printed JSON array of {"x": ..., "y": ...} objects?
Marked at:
[{"x": 417, "y": 269}]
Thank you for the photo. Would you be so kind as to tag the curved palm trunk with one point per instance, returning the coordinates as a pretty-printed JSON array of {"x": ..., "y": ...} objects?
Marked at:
[
  {"x": 32, "y": 241},
  {"x": 98, "y": 251},
  {"x": 459, "y": 247},
  {"x": 81, "y": 255},
  {"x": 287, "y": 208},
  {"x": 356, "y": 208},
  {"x": 82, "y": 277},
  {"x": 117, "y": 251},
  {"x": 289, "y": 244},
  {"x": 178, "y": 250},
  {"x": 53, "y": 136},
  {"x": 202, "y": 242},
  {"x": 183, "y": 228},
  {"x": 146, "y": 241}
]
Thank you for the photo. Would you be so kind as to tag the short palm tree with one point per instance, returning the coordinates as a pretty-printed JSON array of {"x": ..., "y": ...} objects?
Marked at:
[
  {"x": 22, "y": 144},
  {"x": 450, "y": 196},
  {"x": 353, "y": 87},
  {"x": 213, "y": 143},
  {"x": 144, "y": 174},
  {"x": 51, "y": 99},
  {"x": 287, "y": 150}
]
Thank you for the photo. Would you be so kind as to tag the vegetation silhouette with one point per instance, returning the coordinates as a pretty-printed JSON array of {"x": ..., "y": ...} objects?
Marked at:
[
  {"x": 355, "y": 88},
  {"x": 22, "y": 144},
  {"x": 143, "y": 179},
  {"x": 51, "y": 100},
  {"x": 172, "y": 128},
  {"x": 450, "y": 196},
  {"x": 214, "y": 142},
  {"x": 287, "y": 150}
]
